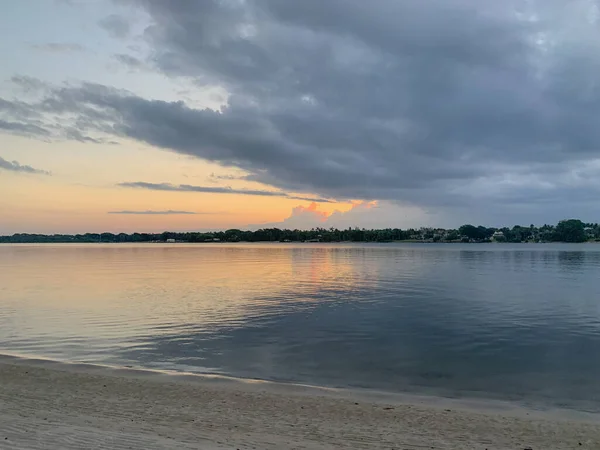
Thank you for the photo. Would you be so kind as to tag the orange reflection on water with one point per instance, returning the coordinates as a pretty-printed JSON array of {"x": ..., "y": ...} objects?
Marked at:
[{"x": 129, "y": 289}]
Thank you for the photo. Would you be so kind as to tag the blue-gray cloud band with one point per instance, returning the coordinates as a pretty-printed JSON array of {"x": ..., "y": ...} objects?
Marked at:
[
  {"x": 14, "y": 166},
  {"x": 218, "y": 190}
]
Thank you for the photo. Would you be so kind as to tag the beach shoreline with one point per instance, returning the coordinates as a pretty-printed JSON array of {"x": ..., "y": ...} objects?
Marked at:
[
  {"x": 46, "y": 404},
  {"x": 432, "y": 400}
]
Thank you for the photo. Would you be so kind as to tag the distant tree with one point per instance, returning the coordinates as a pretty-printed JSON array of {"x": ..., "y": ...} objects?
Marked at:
[
  {"x": 476, "y": 233},
  {"x": 427, "y": 233},
  {"x": 546, "y": 235},
  {"x": 469, "y": 231},
  {"x": 453, "y": 235},
  {"x": 232, "y": 235},
  {"x": 357, "y": 235},
  {"x": 485, "y": 233},
  {"x": 107, "y": 237},
  {"x": 572, "y": 230}
]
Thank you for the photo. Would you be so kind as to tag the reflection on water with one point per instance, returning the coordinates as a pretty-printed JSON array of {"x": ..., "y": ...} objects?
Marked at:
[{"x": 519, "y": 322}]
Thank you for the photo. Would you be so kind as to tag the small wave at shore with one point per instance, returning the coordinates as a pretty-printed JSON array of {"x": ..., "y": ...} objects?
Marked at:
[{"x": 489, "y": 406}]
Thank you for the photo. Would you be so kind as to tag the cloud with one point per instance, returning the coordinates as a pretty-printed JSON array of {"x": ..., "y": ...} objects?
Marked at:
[
  {"x": 14, "y": 166},
  {"x": 217, "y": 190},
  {"x": 31, "y": 119},
  {"x": 215, "y": 177},
  {"x": 418, "y": 102},
  {"x": 304, "y": 217},
  {"x": 366, "y": 214},
  {"x": 117, "y": 26},
  {"x": 59, "y": 47},
  {"x": 130, "y": 61},
  {"x": 156, "y": 213},
  {"x": 28, "y": 84},
  {"x": 24, "y": 129}
]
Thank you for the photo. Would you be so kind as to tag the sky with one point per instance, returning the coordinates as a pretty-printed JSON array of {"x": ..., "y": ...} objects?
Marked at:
[{"x": 153, "y": 115}]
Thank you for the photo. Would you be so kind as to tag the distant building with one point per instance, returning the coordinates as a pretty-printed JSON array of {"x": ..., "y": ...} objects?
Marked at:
[
  {"x": 498, "y": 236},
  {"x": 170, "y": 241}
]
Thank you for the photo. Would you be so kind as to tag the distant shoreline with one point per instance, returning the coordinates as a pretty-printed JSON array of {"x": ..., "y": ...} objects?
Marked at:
[{"x": 571, "y": 231}]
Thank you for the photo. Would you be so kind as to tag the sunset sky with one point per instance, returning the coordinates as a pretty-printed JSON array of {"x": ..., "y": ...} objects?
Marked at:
[{"x": 152, "y": 115}]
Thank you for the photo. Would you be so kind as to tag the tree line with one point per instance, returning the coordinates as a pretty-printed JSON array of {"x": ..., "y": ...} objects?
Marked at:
[{"x": 572, "y": 230}]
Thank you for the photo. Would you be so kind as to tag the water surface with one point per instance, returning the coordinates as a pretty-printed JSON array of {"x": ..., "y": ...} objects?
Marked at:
[{"x": 517, "y": 322}]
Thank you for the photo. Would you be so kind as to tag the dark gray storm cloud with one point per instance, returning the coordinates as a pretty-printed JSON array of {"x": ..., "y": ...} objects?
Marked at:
[
  {"x": 440, "y": 103},
  {"x": 217, "y": 190},
  {"x": 156, "y": 213},
  {"x": 14, "y": 166}
]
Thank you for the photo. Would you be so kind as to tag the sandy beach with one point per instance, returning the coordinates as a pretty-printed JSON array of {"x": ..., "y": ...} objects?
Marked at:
[{"x": 48, "y": 405}]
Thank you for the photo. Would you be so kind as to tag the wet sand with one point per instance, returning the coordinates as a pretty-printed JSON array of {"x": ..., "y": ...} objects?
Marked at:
[{"x": 47, "y": 405}]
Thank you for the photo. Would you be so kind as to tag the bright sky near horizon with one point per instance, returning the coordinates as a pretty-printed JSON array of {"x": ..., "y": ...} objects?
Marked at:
[{"x": 152, "y": 115}]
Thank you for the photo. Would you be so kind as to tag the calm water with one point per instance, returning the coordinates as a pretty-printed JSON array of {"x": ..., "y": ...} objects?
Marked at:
[{"x": 497, "y": 321}]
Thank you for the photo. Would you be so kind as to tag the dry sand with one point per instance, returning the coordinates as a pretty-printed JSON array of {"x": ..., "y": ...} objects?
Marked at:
[{"x": 47, "y": 405}]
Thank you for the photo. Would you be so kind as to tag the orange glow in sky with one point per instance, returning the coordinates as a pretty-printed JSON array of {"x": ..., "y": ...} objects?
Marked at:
[{"x": 82, "y": 194}]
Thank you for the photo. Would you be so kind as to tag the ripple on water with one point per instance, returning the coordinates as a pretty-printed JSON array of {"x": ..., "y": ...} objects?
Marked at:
[{"x": 502, "y": 321}]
